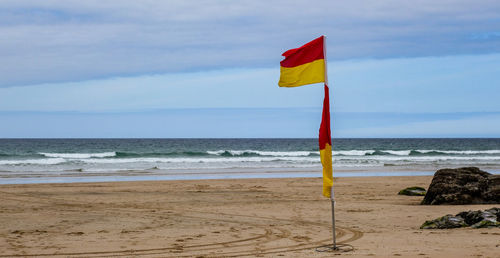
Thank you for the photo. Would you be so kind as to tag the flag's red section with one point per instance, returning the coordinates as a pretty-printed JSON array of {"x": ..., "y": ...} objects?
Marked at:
[
  {"x": 305, "y": 54},
  {"x": 325, "y": 136}
]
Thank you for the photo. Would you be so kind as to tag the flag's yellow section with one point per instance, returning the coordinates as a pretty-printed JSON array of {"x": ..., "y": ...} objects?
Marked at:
[
  {"x": 308, "y": 73},
  {"x": 326, "y": 160}
]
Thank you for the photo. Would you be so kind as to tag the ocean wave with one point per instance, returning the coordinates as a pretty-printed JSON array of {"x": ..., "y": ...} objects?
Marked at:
[
  {"x": 398, "y": 153},
  {"x": 201, "y": 160},
  {"x": 258, "y": 153},
  {"x": 463, "y": 152},
  {"x": 258, "y": 159},
  {"x": 159, "y": 154},
  {"x": 421, "y": 158},
  {"x": 50, "y": 161},
  {"x": 235, "y": 153},
  {"x": 413, "y": 152},
  {"x": 353, "y": 152},
  {"x": 372, "y": 152},
  {"x": 78, "y": 155}
]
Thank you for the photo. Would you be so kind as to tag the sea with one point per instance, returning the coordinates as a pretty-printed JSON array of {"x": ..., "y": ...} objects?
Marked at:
[{"x": 104, "y": 160}]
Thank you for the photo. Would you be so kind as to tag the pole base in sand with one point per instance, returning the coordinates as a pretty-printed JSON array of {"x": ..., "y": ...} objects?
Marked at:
[{"x": 338, "y": 248}]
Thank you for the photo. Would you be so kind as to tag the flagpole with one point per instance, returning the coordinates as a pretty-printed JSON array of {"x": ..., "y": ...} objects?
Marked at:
[{"x": 332, "y": 198}]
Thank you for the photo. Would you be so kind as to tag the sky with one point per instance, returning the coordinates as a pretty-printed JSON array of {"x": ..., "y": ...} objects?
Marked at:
[{"x": 92, "y": 69}]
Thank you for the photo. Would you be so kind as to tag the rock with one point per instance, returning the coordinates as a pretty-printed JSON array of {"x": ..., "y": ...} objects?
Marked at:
[
  {"x": 480, "y": 219},
  {"x": 472, "y": 217},
  {"x": 413, "y": 191},
  {"x": 468, "y": 185},
  {"x": 495, "y": 211},
  {"x": 475, "y": 219},
  {"x": 486, "y": 224},
  {"x": 447, "y": 221}
]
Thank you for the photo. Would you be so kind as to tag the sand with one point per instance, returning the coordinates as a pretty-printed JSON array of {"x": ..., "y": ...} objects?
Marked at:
[{"x": 230, "y": 218}]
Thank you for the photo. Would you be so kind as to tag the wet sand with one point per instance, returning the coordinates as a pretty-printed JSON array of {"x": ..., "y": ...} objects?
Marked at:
[{"x": 230, "y": 218}]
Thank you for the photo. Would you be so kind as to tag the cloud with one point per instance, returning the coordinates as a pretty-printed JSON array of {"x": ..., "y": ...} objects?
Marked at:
[
  {"x": 53, "y": 41},
  {"x": 408, "y": 85},
  {"x": 215, "y": 89}
]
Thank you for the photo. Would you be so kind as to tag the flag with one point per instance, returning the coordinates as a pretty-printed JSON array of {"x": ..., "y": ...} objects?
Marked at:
[
  {"x": 303, "y": 65},
  {"x": 325, "y": 146},
  {"x": 307, "y": 65}
]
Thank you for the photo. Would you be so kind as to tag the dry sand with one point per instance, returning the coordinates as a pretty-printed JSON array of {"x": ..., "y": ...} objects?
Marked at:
[{"x": 230, "y": 218}]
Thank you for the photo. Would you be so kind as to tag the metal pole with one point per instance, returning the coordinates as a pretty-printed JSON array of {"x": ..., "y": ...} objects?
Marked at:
[
  {"x": 331, "y": 190},
  {"x": 333, "y": 220}
]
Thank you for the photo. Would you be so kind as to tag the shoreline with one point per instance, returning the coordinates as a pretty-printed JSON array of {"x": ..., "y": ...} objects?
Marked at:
[
  {"x": 184, "y": 177},
  {"x": 237, "y": 173},
  {"x": 233, "y": 217}
]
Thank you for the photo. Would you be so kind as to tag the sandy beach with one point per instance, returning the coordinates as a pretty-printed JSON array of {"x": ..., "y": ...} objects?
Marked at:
[{"x": 230, "y": 218}]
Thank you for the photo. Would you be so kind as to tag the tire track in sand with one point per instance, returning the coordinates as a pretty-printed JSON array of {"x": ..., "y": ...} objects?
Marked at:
[{"x": 242, "y": 247}]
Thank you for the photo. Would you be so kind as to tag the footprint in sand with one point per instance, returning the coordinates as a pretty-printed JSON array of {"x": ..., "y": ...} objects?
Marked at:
[{"x": 75, "y": 233}]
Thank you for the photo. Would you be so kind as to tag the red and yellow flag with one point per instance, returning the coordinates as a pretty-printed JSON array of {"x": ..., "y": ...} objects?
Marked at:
[
  {"x": 303, "y": 65},
  {"x": 325, "y": 146},
  {"x": 306, "y": 65}
]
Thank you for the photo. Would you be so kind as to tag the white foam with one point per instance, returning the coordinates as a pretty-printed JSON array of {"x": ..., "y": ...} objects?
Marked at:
[
  {"x": 354, "y": 152},
  {"x": 420, "y": 158},
  {"x": 79, "y": 155},
  {"x": 407, "y": 152},
  {"x": 398, "y": 153},
  {"x": 201, "y": 160},
  {"x": 218, "y": 152},
  {"x": 51, "y": 161},
  {"x": 466, "y": 152},
  {"x": 265, "y": 153},
  {"x": 286, "y": 153}
]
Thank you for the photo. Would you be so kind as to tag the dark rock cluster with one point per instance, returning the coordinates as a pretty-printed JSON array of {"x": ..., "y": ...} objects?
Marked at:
[
  {"x": 475, "y": 219},
  {"x": 413, "y": 191},
  {"x": 468, "y": 185}
]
